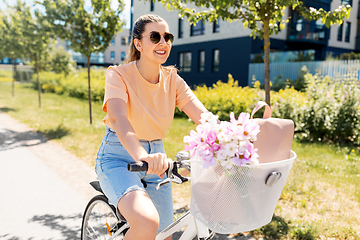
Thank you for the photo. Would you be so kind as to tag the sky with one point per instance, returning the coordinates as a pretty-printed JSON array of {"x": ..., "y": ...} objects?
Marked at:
[{"x": 125, "y": 15}]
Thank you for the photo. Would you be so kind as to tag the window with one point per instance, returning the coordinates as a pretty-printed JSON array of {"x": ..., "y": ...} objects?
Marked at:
[
  {"x": 198, "y": 29},
  {"x": 347, "y": 31},
  {"x": 152, "y": 5},
  {"x": 185, "y": 61},
  {"x": 346, "y": 2},
  {"x": 201, "y": 61},
  {"x": 340, "y": 33},
  {"x": 112, "y": 43},
  {"x": 123, "y": 56},
  {"x": 216, "y": 60},
  {"x": 112, "y": 55},
  {"x": 123, "y": 41},
  {"x": 180, "y": 33},
  {"x": 216, "y": 26}
]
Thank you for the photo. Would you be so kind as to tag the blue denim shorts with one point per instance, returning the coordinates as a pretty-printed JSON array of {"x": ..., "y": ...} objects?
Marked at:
[{"x": 115, "y": 180}]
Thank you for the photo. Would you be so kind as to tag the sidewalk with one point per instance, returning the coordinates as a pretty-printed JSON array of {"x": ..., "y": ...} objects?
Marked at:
[{"x": 43, "y": 196}]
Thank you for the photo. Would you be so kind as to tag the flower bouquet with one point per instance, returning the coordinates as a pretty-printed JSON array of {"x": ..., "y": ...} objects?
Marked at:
[{"x": 224, "y": 143}]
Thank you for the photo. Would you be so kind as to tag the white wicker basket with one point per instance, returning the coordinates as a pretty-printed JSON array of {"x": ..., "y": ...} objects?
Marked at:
[{"x": 237, "y": 200}]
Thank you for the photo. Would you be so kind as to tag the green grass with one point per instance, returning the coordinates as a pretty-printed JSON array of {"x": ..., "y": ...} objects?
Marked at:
[{"x": 321, "y": 198}]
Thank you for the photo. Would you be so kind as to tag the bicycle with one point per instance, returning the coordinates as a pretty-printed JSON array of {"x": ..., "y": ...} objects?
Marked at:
[{"x": 102, "y": 221}]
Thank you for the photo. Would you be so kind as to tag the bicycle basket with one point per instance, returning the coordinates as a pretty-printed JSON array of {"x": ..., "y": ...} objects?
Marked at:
[{"x": 237, "y": 199}]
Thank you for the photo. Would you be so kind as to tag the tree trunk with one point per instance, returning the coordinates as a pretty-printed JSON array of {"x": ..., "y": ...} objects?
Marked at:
[
  {"x": 38, "y": 80},
  {"x": 267, "y": 61},
  {"x": 89, "y": 88},
  {"x": 14, "y": 77}
]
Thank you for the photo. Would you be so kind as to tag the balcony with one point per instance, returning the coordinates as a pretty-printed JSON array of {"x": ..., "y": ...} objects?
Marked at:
[{"x": 308, "y": 32}]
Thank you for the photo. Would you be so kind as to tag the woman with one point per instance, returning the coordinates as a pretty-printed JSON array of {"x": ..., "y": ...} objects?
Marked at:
[{"x": 140, "y": 99}]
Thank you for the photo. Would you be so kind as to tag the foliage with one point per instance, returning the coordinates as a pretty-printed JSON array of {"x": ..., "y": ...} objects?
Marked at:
[
  {"x": 332, "y": 110},
  {"x": 327, "y": 109},
  {"x": 350, "y": 56},
  {"x": 288, "y": 103},
  {"x": 223, "y": 98},
  {"x": 61, "y": 61},
  {"x": 89, "y": 30},
  {"x": 299, "y": 83},
  {"x": 269, "y": 13},
  {"x": 74, "y": 85},
  {"x": 35, "y": 35}
]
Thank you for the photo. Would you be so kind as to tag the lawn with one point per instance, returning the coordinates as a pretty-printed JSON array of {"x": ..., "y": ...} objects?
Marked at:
[{"x": 321, "y": 199}]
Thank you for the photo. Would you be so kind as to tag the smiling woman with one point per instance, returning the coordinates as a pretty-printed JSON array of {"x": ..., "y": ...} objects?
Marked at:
[{"x": 140, "y": 99}]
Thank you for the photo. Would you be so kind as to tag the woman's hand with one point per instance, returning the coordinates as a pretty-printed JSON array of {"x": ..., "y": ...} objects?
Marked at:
[{"x": 157, "y": 163}]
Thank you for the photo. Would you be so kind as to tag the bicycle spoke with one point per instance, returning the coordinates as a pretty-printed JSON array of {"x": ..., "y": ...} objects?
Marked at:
[{"x": 100, "y": 220}]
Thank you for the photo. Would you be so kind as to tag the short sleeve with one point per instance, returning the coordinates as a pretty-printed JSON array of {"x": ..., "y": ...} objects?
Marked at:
[
  {"x": 115, "y": 87},
  {"x": 184, "y": 95}
]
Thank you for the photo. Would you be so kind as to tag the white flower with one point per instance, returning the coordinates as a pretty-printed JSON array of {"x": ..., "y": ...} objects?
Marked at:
[
  {"x": 221, "y": 155},
  {"x": 209, "y": 117},
  {"x": 230, "y": 149}
]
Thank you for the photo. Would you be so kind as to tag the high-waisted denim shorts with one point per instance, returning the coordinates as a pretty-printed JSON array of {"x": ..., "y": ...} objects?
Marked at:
[{"x": 115, "y": 180}]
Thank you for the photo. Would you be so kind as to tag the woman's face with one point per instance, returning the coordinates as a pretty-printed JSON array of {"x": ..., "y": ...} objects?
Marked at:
[{"x": 154, "y": 52}]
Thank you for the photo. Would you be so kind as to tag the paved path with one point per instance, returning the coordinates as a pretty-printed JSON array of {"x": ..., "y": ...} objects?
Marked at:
[
  {"x": 42, "y": 194},
  {"x": 43, "y": 188}
]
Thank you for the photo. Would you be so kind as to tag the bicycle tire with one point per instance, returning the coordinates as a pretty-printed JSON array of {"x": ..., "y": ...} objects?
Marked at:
[{"x": 100, "y": 220}]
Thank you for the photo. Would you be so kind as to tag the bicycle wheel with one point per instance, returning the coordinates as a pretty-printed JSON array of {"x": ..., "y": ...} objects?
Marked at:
[{"x": 100, "y": 221}]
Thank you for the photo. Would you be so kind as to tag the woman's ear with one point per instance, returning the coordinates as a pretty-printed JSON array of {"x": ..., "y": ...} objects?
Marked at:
[{"x": 137, "y": 44}]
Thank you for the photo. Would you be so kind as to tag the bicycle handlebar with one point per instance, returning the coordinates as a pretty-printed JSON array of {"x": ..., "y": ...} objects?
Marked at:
[
  {"x": 172, "y": 171},
  {"x": 137, "y": 166}
]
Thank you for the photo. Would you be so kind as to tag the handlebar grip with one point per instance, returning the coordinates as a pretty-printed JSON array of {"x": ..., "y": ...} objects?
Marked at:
[{"x": 137, "y": 166}]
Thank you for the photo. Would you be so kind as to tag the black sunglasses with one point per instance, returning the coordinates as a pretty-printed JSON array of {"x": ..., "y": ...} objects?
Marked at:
[{"x": 155, "y": 37}]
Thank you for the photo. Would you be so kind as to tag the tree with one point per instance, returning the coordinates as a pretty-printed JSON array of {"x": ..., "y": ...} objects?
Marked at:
[
  {"x": 36, "y": 36},
  {"x": 88, "y": 30},
  {"x": 12, "y": 40},
  {"x": 61, "y": 61},
  {"x": 263, "y": 17},
  {"x": 2, "y": 36}
]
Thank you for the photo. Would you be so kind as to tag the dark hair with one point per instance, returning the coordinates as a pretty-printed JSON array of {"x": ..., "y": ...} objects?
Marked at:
[{"x": 138, "y": 29}]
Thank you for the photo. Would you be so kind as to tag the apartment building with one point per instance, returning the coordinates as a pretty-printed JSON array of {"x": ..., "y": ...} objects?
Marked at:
[
  {"x": 115, "y": 54},
  {"x": 208, "y": 52}
]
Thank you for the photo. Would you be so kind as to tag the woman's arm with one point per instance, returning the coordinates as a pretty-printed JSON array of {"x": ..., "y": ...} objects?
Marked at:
[
  {"x": 194, "y": 109},
  {"x": 117, "y": 112}
]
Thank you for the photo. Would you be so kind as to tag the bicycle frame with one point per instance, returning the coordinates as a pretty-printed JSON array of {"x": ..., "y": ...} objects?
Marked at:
[{"x": 193, "y": 227}]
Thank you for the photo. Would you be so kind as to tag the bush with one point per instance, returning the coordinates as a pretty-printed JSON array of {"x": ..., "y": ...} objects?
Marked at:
[
  {"x": 75, "y": 84},
  {"x": 332, "y": 110},
  {"x": 223, "y": 98},
  {"x": 327, "y": 110},
  {"x": 288, "y": 104},
  {"x": 279, "y": 83}
]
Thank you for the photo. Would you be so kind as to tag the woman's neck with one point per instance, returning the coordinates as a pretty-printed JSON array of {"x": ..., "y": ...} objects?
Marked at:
[{"x": 150, "y": 72}]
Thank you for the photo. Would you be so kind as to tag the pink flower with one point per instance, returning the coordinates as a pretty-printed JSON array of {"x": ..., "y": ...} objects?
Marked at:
[
  {"x": 208, "y": 157},
  {"x": 251, "y": 129},
  {"x": 242, "y": 119}
]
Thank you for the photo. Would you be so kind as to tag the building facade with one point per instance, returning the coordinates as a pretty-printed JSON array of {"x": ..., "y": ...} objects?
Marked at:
[
  {"x": 115, "y": 54},
  {"x": 208, "y": 52}
]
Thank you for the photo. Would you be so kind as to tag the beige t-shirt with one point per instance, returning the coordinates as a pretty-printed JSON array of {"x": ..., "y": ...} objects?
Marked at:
[{"x": 150, "y": 106}]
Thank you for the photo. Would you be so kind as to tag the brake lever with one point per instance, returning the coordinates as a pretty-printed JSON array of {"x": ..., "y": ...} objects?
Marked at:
[
  {"x": 173, "y": 176},
  {"x": 174, "y": 179}
]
